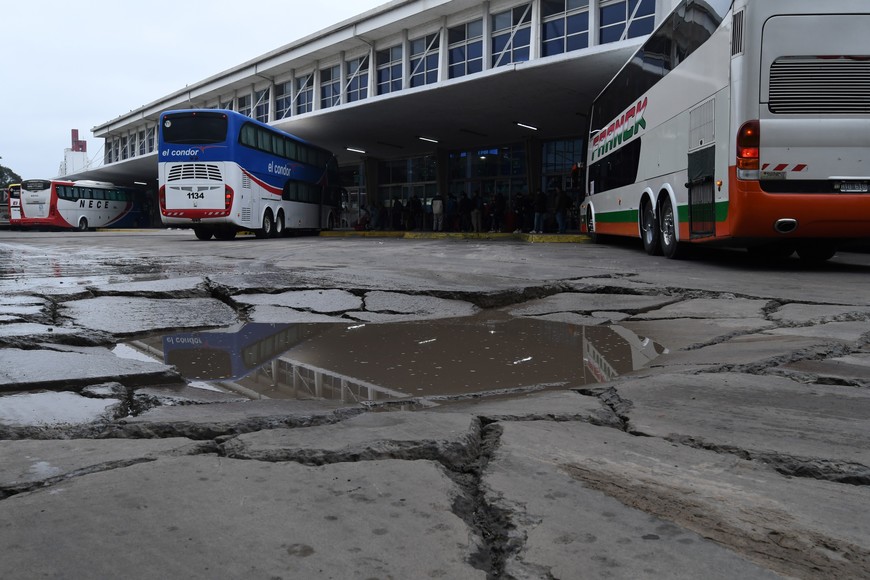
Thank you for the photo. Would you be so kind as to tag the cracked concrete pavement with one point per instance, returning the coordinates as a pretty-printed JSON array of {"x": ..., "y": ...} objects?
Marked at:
[{"x": 739, "y": 449}]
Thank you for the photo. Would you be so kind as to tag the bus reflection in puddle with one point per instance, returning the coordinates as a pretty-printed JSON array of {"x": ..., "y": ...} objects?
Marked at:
[{"x": 357, "y": 362}]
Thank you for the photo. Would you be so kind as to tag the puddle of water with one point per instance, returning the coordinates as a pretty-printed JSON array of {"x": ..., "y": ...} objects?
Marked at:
[
  {"x": 50, "y": 408},
  {"x": 378, "y": 362}
]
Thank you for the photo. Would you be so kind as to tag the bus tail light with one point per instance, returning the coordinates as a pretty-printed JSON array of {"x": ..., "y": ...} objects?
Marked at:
[
  {"x": 228, "y": 199},
  {"x": 748, "y": 142},
  {"x": 161, "y": 199}
]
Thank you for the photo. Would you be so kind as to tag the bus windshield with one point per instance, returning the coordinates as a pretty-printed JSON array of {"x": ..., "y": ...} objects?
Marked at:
[{"x": 195, "y": 128}]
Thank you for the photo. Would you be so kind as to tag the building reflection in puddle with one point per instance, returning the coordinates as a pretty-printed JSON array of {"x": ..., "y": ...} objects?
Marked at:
[{"x": 359, "y": 362}]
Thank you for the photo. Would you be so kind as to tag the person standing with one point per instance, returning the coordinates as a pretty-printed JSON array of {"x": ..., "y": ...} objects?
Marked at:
[
  {"x": 562, "y": 203},
  {"x": 476, "y": 212},
  {"x": 437, "y": 214},
  {"x": 540, "y": 211}
]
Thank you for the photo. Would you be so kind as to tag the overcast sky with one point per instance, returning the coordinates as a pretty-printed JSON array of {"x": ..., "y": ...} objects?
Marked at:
[{"x": 74, "y": 65}]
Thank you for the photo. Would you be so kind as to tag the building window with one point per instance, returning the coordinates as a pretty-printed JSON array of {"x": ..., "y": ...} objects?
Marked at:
[
  {"x": 142, "y": 143},
  {"x": 638, "y": 15},
  {"x": 261, "y": 109},
  {"x": 151, "y": 132},
  {"x": 227, "y": 105},
  {"x": 283, "y": 100},
  {"x": 511, "y": 35},
  {"x": 124, "y": 152},
  {"x": 389, "y": 70},
  {"x": 424, "y": 60},
  {"x": 244, "y": 104},
  {"x": 305, "y": 94},
  {"x": 565, "y": 26},
  {"x": 357, "y": 79},
  {"x": 330, "y": 87},
  {"x": 465, "y": 49}
]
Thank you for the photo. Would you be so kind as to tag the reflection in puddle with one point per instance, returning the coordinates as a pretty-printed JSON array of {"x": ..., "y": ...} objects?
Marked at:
[{"x": 375, "y": 362}]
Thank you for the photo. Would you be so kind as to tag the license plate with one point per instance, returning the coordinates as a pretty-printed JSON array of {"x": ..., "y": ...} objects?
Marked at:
[
  {"x": 854, "y": 187},
  {"x": 196, "y": 220}
]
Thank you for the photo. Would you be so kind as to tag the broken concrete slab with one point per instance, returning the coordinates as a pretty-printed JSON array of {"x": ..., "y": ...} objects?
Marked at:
[
  {"x": 845, "y": 368},
  {"x": 268, "y": 313},
  {"x": 587, "y": 303},
  {"x": 804, "y": 313},
  {"x": 322, "y": 301},
  {"x": 679, "y": 333},
  {"x": 451, "y": 438},
  {"x": 547, "y": 405},
  {"x": 707, "y": 308},
  {"x": 210, "y": 421},
  {"x": 398, "y": 303},
  {"x": 202, "y": 517},
  {"x": 130, "y": 315},
  {"x": 818, "y": 430},
  {"x": 47, "y": 409},
  {"x": 743, "y": 351},
  {"x": 640, "y": 507},
  {"x": 28, "y": 369},
  {"x": 33, "y": 331},
  {"x": 189, "y": 286},
  {"x": 28, "y": 464},
  {"x": 842, "y": 331}
]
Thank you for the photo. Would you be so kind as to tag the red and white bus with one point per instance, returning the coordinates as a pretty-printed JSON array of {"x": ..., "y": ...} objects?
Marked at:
[
  {"x": 7, "y": 194},
  {"x": 78, "y": 205},
  {"x": 743, "y": 123}
]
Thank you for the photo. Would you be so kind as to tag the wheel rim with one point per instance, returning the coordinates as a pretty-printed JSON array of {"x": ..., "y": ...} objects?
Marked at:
[
  {"x": 647, "y": 224},
  {"x": 668, "y": 236}
]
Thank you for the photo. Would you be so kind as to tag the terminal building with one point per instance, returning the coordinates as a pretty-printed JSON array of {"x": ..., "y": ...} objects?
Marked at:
[{"x": 422, "y": 97}]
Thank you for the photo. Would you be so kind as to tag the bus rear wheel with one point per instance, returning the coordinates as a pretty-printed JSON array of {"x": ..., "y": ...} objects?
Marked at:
[
  {"x": 279, "y": 225},
  {"x": 204, "y": 234},
  {"x": 816, "y": 253},
  {"x": 671, "y": 248},
  {"x": 649, "y": 230},
  {"x": 268, "y": 226},
  {"x": 225, "y": 234},
  {"x": 590, "y": 226}
]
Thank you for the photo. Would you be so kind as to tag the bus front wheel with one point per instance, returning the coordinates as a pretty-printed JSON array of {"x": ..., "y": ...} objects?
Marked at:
[
  {"x": 649, "y": 230},
  {"x": 671, "y": 248},
  {"x": 83, "y": 224}
]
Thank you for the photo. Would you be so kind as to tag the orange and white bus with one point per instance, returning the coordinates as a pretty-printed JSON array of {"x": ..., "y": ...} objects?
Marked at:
[{"x": 743, "y": 123}]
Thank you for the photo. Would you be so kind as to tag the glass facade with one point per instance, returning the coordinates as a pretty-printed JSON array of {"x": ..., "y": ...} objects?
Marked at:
[
  {"x": 626, "y": 19},
  {"x": 358, "y": 79},
  {"x": 465, "y": 51},
  {"x": 305, "y": 94},
  {"x": 283, "y": 100},
  {"x": 424, "y": 60},
  {"x": 389, "y": 73},
  {"x": 330, "y": 86},
  {"x": 244, "y": 105},
  {"x": 512, "y": 35},
  {"x": 261, "y": 109},
  {"x": 565, "y": 26}
]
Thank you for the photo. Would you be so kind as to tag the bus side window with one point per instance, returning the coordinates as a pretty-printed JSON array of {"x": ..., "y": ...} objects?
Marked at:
[{"x": 289, "y": 149}]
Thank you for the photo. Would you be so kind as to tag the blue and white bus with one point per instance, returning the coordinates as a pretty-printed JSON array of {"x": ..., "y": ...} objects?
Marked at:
[{"x": 221, "y": 172}]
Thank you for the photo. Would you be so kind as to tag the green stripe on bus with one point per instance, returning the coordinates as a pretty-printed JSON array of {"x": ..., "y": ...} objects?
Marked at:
[
  {"x": 616, "y": 217},
  {"x": 721, "y": 211}
]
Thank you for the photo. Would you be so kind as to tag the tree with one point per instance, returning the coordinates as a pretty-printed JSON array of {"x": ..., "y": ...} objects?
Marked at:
[{"x": 8, "y": 176}]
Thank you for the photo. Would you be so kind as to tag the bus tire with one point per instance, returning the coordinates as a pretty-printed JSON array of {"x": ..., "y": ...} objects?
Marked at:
[
  {"x": 590, "y": 226},
  {"x": 816, "y": 253},
  {"x": 671, "y": 248},
  {"x": 203, "y": 234},
  {"x": 225, "y": 234},
  {"x": 649, "y": 230},
  {"x": 83, "y": 224},
  {"x": 279, "y": 225},
  {"x": 268, "y": 226}
]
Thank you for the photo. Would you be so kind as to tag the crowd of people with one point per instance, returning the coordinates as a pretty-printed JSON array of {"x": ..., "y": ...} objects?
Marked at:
[{"x": 543, "y": 212}]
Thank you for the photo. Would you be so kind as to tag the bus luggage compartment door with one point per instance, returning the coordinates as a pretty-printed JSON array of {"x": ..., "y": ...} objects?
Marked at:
[{"x": 702, "y": 194}]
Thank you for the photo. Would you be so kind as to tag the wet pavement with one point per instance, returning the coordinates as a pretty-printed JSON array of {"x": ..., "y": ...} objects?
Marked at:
[{"x": 455, "y": 409}]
